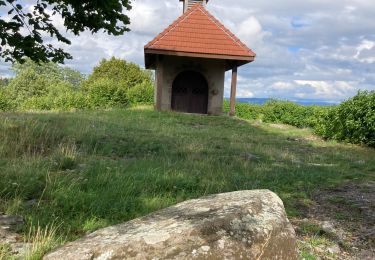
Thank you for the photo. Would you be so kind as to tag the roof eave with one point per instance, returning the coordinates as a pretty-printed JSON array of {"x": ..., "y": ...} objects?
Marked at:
[{"x": 240, "y": 59}]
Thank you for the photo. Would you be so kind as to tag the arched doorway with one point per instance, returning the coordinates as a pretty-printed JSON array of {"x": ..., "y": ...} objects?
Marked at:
[{"x": 190, "y": 93}]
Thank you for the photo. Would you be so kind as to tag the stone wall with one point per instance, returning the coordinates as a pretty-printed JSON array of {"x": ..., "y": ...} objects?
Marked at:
[{"x": 212, "y": 70}]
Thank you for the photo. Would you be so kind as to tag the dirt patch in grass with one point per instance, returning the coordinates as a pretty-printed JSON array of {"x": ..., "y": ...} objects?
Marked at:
[
  {"x": 280, "y": 126},
  {"x": 339, "y": 224}
]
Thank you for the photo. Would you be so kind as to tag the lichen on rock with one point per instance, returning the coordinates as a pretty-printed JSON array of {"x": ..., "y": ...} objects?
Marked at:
[{"x": 242, "y": 224}]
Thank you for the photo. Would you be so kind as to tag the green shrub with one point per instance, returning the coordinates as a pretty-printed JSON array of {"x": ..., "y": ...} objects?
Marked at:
[
  {"x": 71, "y": 100},
  {"x": 106, "y": 93},
  {"x": 246, "y": 111},
  {"x": 5, "y": 102},
  {"x": 36, "y": 103},
  {"x": 250, "y": 111},
  {"x": 64, "y": 102},
  {"x": 352, "y": 121},
  {"x": 125, "y": 74},
  {"x": 316, "y": 115},
  {"x": 27, "y": 84},
  {"x": 117, "y": 83},
  {"x": 142, "y": 93},
  {"x": 61, "y": 96},
  {"x": 287, "y": 113},
  {"x": 64, "y": 96},
  {"x": 3, "y": 82},
  {"x": 36, "y": 80},
  {"x": 284, "y": 112},
  {"x": 47, "y": 86}
]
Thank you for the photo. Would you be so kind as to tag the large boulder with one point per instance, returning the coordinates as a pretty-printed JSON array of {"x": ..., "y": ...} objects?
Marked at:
[{"x": 236, "y": 225}]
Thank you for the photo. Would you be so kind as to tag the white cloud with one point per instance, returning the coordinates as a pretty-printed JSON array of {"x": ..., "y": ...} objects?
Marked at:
[
  {"x": 150, "y": 18},
  {"x": 244, "y": 93},
  {"x": 366, "y": 52},
  {"x": 280, "y": 85},
  {"x": 250, "y": 31},
  {"x": 331, "y": 90}
]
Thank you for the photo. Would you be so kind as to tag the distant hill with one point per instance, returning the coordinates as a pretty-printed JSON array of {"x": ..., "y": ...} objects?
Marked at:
[{"x": 304, "y": 102}]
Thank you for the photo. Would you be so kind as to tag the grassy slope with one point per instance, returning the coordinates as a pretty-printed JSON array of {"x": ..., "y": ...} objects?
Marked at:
[{"x": 92, "y": 169}]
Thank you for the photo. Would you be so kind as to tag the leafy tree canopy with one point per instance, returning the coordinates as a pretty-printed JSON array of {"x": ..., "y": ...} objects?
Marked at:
[
  {"x": 34, "y": 79},
  {"x": 124, "y": 74},
  {"x": 22, "y": 30},
  {"x": 3, "y": 82}
]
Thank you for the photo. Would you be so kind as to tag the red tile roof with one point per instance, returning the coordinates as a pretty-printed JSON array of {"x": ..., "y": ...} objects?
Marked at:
[{"x": 200, "y": 33}]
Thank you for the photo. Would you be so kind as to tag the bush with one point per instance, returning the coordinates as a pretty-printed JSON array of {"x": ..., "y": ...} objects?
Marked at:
[
  {"x": 27, "y": 84},
  {"x": 246, "y": 111},
  {"x": 142, "y": 93},
  {"x": 117, "y": 83},
  {"x": 5, "y": 102},
  {"x": 292, "y": 114},
  {"x": 3, "y": 82},
  {"x": 35, "y": 80},
  {"x": 352, "y": 121},
  {"x": 37, "y": 103},
  {"x": 65, "y": 102},
  {"x": 284, "y": 112},
  {"x": 71, "y": 100},
  {"x": 61, "y": 96},
  {"x": 46, "y": 86},
  {"x": 126, "y": 75},
  {"x": 105, "y": 93}
]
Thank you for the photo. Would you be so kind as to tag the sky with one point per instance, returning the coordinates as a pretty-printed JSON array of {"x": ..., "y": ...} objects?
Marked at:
[{"x": 311, "y": 49}]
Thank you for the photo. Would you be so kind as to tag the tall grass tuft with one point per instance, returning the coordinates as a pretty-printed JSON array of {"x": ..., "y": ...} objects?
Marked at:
[
  {"x": 65, "y": 156},
  {"x": 5, "y": 251},
  {"x": 27, "y": 137},
  {"x": 41, "y": 241}
]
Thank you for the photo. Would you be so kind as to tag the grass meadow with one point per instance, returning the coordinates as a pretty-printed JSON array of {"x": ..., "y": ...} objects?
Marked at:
[{"x": 71, "y": 173}]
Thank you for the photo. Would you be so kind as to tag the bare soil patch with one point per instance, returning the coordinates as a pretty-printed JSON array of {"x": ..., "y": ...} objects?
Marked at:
[
  {"x": 339, "y": 224},
  {"x": 280, "y": 126}
]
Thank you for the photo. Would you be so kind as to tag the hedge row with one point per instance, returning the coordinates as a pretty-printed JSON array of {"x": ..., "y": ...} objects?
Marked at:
[
  {"x": 352, "y": 121},
  {"x": 284, "y": 112}
]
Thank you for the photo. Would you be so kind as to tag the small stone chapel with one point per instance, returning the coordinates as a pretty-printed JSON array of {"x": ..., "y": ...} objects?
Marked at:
[{"x": 190, "y": 59}]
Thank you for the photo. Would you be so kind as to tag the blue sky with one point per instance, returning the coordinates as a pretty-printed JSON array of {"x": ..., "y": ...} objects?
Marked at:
[{"x": 312, "y": 49}]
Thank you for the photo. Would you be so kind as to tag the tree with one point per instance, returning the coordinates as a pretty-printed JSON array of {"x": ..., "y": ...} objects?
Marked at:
[
  {"x": 126, "y": 74},
  {"x": 22, "y": 30},
  {"x": 3, "y": 82},
  {"x": 33, "y": 79},
  {"x": 116, "y": 82}
]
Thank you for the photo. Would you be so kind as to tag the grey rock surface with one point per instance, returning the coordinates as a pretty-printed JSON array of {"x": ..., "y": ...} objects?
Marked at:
[
  {"x": 236, "y": 225},
  {"x": 8, "y": 236},
  {"x": 10, "y": 222}
]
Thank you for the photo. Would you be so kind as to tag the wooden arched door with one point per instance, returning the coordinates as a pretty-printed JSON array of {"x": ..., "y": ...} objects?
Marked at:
[{"x": 190, "y": 93}]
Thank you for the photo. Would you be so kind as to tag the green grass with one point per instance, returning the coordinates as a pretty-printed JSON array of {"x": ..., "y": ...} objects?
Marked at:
[
  {"x": 5, "y": 251},
  {"x": 42, "y": 240},
  {"x": 307, "y": 228},
  {"x": 88, "y": 170}
]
